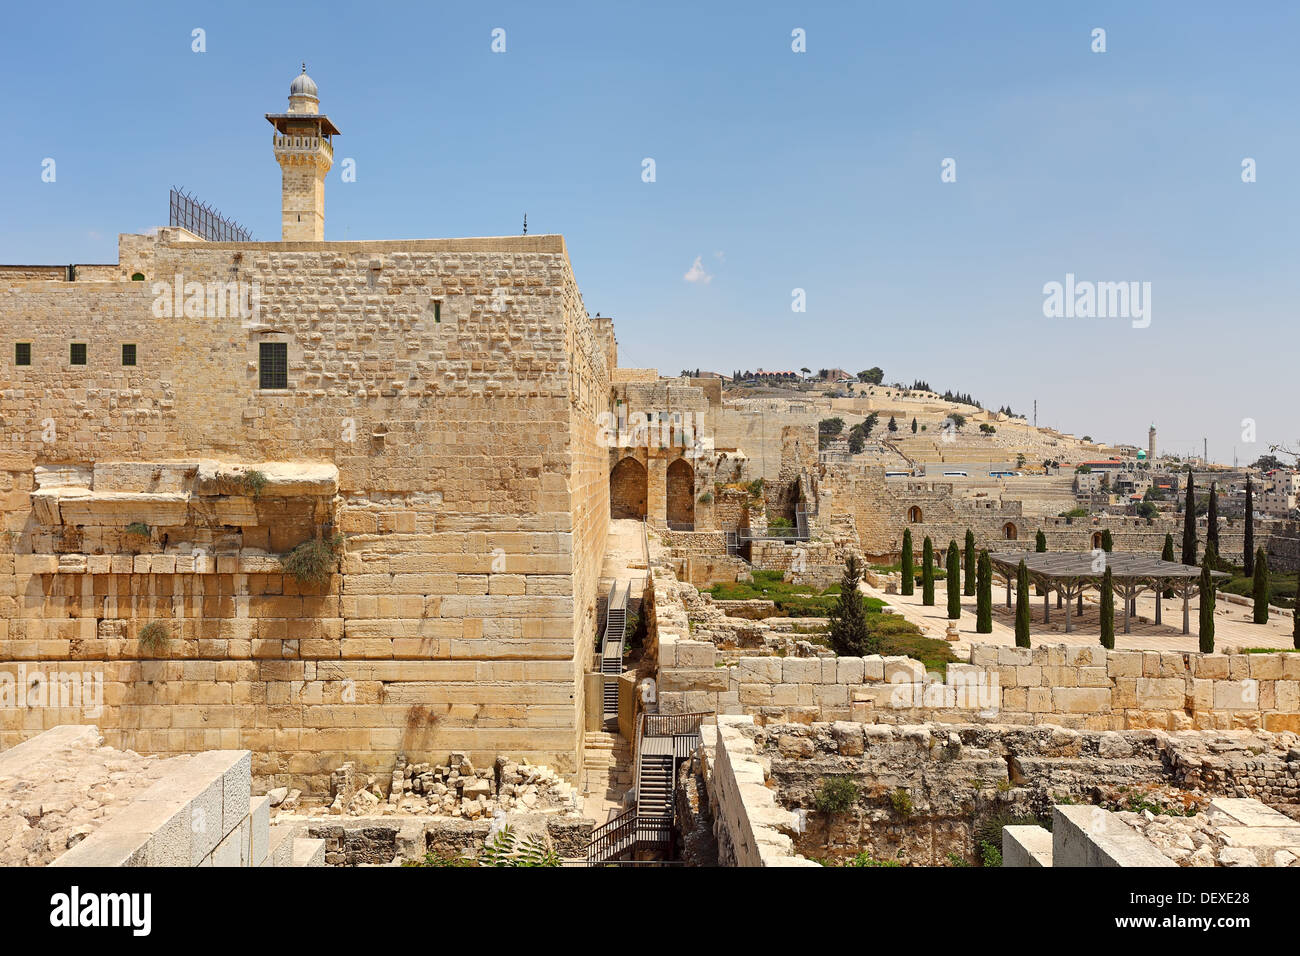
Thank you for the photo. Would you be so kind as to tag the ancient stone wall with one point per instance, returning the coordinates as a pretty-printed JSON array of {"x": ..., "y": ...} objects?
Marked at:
[
  {"x": 1067, "y": 685},
  {"x": 453, "y": 385},
  {"x": 882, "y": 512}
]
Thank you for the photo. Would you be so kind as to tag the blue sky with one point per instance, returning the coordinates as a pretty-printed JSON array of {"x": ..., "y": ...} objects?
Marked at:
[{"x": 779, "y": 170}]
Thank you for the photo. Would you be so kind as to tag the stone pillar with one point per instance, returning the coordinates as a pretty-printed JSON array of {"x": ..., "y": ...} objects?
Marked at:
[{"x": 657, "y": 489}]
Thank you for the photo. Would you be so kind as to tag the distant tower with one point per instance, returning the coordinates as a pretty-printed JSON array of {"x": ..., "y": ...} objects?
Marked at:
[
  {"x": 1151, "y": 443},
  {"x": 305, "y": 152}
]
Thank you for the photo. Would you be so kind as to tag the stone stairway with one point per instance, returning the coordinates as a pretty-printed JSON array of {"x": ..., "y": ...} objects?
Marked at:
[{"x": 608, "y": 772}]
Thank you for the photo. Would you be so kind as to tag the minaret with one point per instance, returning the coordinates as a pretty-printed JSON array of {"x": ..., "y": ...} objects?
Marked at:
[
  {"x": 305, "y": 152},
  {"x": 1151, "y": 443}
]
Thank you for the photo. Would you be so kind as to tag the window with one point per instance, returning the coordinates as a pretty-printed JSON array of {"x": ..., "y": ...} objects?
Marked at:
[
  {"x": 137, "y": 277},
  {"x": 78, "y": 354},
  {"x": 273, "y": 364},
  {"x": 437, "y": 311},
  {"x": 22, "y": 353},
  {"x": 128, "y": 354}
]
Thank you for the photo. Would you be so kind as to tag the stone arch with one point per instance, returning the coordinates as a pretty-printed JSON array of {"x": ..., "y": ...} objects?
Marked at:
[
  {"x": 628, "y": 484},
  {"x": 914, "y": 515},
  {"x": 681, "y": 493},
  {"x": 1009, "y": 531}
]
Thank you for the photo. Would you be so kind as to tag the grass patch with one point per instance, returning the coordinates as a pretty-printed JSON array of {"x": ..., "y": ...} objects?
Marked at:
[
  {"x": 792, "y": 600},
  {"x": 1268, "y": 650},
  {"x": 138, "y": 529},
  {"x": 1281, "y": 585}
]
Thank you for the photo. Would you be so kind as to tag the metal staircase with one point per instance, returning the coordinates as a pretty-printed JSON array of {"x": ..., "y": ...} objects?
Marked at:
[
  {"x": 611, "y": 646},
  {"x": 663, "y": 741}
]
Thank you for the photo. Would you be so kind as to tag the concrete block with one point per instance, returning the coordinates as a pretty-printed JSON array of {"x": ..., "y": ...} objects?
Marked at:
[
  {"x": 1091, "y": 836},
  {"x": 259, "y": 816},
  {"x": 1026, "y": 846}
]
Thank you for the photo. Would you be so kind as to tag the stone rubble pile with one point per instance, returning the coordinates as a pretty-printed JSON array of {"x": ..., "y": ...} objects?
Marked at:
[
  {"x": 1207, "y": 839},
  {"x": 454, "y": 789}
]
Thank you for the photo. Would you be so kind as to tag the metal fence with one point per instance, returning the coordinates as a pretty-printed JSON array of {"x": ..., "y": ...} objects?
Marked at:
[{"x": 202, "y": 220}]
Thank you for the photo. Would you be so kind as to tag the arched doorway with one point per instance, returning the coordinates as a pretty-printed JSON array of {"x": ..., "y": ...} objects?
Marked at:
[
  {"x": 914, "y": 515},
  {"x": 1009, "y": 531},
  {"x": 1096, "y": 539},
  {"x": 627, "y": 489},
  {"x": 681, "y": 494}
]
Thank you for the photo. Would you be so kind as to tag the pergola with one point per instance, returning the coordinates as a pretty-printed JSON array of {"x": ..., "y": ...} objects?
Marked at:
[{"x": 1070, "y": 573}]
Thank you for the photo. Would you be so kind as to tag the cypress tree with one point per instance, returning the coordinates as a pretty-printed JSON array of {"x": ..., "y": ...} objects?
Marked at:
[
  {"x": 1295, "y": 623},
  {"x": 1248, "y": 549},
  {"x": 984, "y": 595},
  {"x": 1040, "y": 541},
  {"x": 1168, "y": 555},
  {"x": 1189, "y": 523},
  {"x": 954, "y": 582},
  {"x": 969, "y": 576},
  {"x": 849, "y": 635},
  {"x": 1022, "y": 605},
  {"x": 913, "y": 425},
  {"x": 1108, "y": 610},
  {"x": 1261, "y": 587},
  {"x": 1207, "y": 610},
  {"x": 927, "y": 572},
  {"x": 1212, "y": 521},
  {"x": 1107, "y": 542},
  {"x": 908, "y": 573}
]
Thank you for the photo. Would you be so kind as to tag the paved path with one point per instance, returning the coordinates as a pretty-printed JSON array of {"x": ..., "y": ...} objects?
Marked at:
[
  {"x": 624, "y": 553},
  {"x": 1233, "y": 624}
]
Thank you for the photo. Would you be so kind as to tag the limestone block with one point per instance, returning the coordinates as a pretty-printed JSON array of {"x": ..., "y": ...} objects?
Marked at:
[
  {"x": 696, "y": 654},
  {"x": 1266, "y": 666},
  {"x": 1210, "y": 666},
  {"x": 801, "y": 670},
  {"x": 873, "y": 668},
  {"x": 903, "y": 669},
  {"x": 848, "y": 670},
  {"x": 1080, "y": 700},
  {"x": 1015, "y": 656},
  {"x": 754, "y": 670},
  {"x": 1236, "y": 695},
  {"x": 1161, "y": 693},
  {"x": 1124, "y": 664}
]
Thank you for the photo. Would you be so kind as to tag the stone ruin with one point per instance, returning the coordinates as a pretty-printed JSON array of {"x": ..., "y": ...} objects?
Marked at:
[{"x": 455, "y": 789}]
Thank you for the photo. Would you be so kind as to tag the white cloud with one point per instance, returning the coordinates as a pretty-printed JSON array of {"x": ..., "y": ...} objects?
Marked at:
[{"x": 696, "y": 272}]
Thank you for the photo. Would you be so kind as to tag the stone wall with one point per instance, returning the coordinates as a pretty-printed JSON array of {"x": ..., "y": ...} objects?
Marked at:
[
  {"x": 452, "y": 384},
  {"x": 1066, "y": 685},
  {"x": 881, "y": 514}
]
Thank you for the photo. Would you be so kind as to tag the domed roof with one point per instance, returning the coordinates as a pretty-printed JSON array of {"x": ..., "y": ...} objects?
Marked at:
[{"x": 302, "y": 85}]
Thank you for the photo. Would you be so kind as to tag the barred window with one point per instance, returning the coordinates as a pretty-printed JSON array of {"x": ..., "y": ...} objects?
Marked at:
[
  {"x": 77, "y": 354},
  {"x": 22, "y": 353},
  {"x": 273, "y": 365},
  {"x": 128, "y": 354}
]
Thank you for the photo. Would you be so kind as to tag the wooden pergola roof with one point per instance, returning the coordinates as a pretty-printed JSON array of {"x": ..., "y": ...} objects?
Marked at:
[{"x": 1051, "y": 567}]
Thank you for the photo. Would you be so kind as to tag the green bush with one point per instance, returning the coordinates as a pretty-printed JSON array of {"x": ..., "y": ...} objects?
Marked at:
[
  {"x": 138, "y": 529},
  {"x": 901, "y": 801},
  {"x": 836, "y": 795},
  {"x": 312, "y": 561}
]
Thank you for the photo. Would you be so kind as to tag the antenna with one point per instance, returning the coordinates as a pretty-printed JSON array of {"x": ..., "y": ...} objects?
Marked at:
[{"x": 525, "y": 224}]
